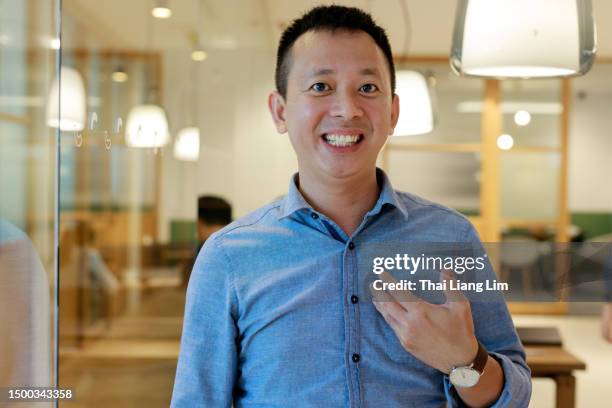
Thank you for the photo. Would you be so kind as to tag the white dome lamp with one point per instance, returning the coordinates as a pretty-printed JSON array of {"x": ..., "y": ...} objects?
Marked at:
[
  {"x": 146, "y": 127},
  {"x": 187, "y": 144},
  {"x": 416, "y": 106},
  {"x": 523, "y": 38},
  {"x": 66, "y": 107}
]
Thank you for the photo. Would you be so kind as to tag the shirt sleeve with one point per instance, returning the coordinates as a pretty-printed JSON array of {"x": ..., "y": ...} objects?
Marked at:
[
  {"x": 207, "y": 364},
  {"x": 495, "y": 331}
]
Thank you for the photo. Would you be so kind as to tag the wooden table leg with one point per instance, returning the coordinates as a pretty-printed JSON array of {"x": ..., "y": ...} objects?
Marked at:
[{"x": 566, "y": 391}]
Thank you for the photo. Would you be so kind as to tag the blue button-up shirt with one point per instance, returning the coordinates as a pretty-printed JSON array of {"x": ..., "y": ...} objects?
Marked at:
[{"x": 276, "y": 316}]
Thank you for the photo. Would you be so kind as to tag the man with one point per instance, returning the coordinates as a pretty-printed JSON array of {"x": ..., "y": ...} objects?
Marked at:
[
  {"x": 276, "y": 316},
  {"x": 214, "y": 213}
]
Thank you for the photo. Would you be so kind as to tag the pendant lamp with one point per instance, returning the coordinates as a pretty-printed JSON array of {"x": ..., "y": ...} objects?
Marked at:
[
  {"x": 416, "y": 108},
  {"x": 147, "y": 127},
  {"x": 523, "y": 38},
  {"x": 187, "y": 144},
  {"x": 69, "y": 113},
  {"x": 161, "y": 9}
]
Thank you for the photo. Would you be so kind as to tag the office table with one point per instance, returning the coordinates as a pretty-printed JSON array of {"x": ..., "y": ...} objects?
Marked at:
[{"x": 558, "y": 364}]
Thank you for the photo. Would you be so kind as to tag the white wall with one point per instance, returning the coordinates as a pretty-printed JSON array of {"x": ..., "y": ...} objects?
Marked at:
[
  {"x": 242, "y": 158},
  {"x": 590, "y": 153}
]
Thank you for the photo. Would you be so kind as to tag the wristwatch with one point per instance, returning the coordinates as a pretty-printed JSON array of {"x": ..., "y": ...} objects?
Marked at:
[{"x": 468, "y": 376}]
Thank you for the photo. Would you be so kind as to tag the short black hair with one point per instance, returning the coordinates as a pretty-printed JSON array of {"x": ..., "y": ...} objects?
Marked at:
[
  {"x": 330, "y": 18},
  {"x": 214, "y": 210}
]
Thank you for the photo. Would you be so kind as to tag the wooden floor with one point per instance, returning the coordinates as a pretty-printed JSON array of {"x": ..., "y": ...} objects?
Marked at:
[{"x": 134, "y": 364}]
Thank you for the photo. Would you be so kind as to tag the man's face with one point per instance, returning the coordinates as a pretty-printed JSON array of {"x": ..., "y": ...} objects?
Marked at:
[{"x": 338, "y": 110}]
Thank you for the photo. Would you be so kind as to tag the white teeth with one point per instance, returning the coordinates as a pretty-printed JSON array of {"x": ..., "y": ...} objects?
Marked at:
[{"x": 341, "y": 140}]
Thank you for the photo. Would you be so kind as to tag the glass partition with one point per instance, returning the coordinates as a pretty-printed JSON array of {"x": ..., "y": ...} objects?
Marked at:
[
  {"x": 29, "y": 39},
  {"x": 530, "y": 145},
  {"x": 443, "y": 165},
  {"x": 532, "y": 111},
  {"x": 99, "y": 208},
  {"x": 457, "y": 104},
  {"x": 129, "y": 229},
  {"x": 450, "y": 178}
]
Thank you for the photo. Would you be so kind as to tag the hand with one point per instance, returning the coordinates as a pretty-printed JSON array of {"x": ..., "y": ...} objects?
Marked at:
[
  {"x": 442, "y": 336},
  {"x": 606, "y": 322}
]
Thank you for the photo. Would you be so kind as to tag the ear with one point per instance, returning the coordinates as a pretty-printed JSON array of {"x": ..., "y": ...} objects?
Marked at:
[
  {"x": 395, "y": 110},
  {"x": 276, "y": 104}
]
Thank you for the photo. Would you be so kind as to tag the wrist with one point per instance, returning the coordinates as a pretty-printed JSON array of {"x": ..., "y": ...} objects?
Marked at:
[
  {"x": 468, "y": 375},
  {"x": 466, "y": 358}
]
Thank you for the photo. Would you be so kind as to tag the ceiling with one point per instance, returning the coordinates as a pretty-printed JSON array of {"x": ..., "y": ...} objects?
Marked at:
[{"x": 232, "y": 24}]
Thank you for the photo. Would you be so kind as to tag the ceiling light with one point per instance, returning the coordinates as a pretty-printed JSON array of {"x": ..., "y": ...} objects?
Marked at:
[
  {"x": 523, "y": 38},
  {"x": 505, "y": 142},
  {"x": 223, "y": 42},
  {"x": 119, "y": 75},
  {"x": 198, "y": 55},
  {"x": 522, "y": 118},
  {"x": 147, "y": 126},
  {"x": 161, "y": 9},
  {"x": 187, "y": 144},
  {"x": 416, "y": 111},
  {"x": 55, "y": 43},
  {"x": 66, "y": 107},
  {"x": 510, "y": 107}
]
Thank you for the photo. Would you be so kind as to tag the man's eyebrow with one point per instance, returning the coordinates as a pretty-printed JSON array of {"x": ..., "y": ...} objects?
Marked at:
[
  {"x": 370, "y": 71},
  {"x": 323, "y": 71},
  {"x": 328, "y": 71}
]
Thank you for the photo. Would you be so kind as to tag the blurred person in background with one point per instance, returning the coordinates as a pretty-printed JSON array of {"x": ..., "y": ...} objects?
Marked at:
[
  {"x": 89, "y": 289},
  {"x": 214, "y": 213}
]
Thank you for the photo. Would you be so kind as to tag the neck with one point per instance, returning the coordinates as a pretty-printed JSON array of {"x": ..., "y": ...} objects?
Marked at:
[{"x": 344, "y": 200}]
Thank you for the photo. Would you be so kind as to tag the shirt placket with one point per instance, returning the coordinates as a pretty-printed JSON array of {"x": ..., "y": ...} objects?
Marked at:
[{"x": 350, "y": 303}]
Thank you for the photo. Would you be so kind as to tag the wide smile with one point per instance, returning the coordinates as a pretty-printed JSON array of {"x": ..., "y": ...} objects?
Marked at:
[{"x": 342, "y": 141}]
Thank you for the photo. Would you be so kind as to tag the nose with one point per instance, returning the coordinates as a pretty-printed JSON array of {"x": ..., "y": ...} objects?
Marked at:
[{"x": 346, "y": 106}]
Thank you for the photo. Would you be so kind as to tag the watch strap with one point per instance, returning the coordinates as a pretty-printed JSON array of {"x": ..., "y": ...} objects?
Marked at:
[{"x": 481, "y": 359}]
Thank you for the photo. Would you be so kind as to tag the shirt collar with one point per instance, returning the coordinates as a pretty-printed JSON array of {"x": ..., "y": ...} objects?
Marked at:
[
  {"x": 294, "y": 201},
  {"x": 387, "y": 195}
]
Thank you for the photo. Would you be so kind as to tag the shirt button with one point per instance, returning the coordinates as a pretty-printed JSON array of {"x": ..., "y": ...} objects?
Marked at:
[
  {"x": 314, "y": 216},
  {"x": 351, "y": 245},
  {"x": 354, "y": 299},
  {"x": 356, "y": 358}
]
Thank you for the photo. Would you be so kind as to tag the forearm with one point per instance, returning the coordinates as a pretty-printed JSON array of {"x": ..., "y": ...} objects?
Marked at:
[{"x": 488, "y": 389}]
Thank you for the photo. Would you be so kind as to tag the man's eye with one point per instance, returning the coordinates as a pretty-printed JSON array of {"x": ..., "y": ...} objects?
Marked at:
[
  {"x": 368, "y": 88},
  {"x": 320, "y": 87}
]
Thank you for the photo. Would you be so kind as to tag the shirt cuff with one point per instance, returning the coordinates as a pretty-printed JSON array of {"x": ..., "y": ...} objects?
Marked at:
[{"x": 515, "y": 393}]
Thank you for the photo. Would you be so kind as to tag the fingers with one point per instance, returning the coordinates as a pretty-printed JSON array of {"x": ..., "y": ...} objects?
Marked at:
[
  {"x": 392, "y": 312},
  {"x": 452, "y": 294},
  {"x": 380, "y": 295},
  {"x": 405, "y": 297}
]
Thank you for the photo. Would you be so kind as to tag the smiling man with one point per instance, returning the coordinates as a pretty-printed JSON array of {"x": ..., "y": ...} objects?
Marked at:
[{"x": 276, "y": 314}]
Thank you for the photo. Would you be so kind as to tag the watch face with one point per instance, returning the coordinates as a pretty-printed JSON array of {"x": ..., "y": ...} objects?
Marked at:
[{"x": 464, "y": 377}]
